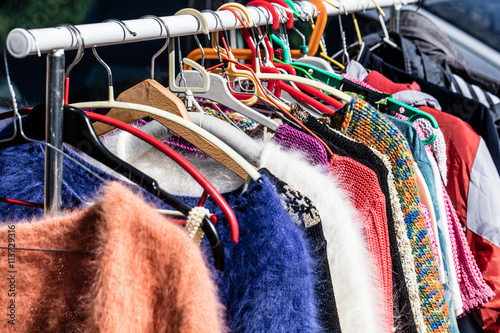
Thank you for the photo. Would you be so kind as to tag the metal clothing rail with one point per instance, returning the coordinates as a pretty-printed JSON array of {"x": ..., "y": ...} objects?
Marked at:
[
  {"x": 22, "y": 42},
  {"x": 54, "y": 41}
]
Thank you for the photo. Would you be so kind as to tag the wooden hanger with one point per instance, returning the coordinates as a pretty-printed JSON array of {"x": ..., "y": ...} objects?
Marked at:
[
  {"x": 189, "y": 131},
  {"x": 206, "y": 142},
  {"x": 148, "y": 92}
]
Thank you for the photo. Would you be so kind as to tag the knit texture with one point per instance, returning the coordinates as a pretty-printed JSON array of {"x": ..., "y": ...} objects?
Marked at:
[
  {"x": 404, "y": 246},
  {"x": 292, "y": 139},
  {"x": 361, "y": 187},
  {"x": 473, "y": 289},
  {"x": 369, "y": 126},
  {"x": 144, "y": 273},
  {"x": 337, "y": 142},
  {"x": 438, "y": 146},
  {"x": 432, "y": 237},
  {"x": 358, "y": 81}
]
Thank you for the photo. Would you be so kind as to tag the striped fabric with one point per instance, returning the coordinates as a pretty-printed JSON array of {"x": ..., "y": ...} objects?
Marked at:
[
  {"x": 365, "y": 124},
  {"x": 459, "y": 85}
]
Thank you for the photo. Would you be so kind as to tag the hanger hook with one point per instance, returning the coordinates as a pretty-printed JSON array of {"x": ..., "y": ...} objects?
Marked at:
[
  {"x": 124, "y": 27},
  {"x": 341, "y": 3},
  {"x": 202, "y": 21},
  {"x": 38, "y": 52},
  {"x": 108, "y": 69},
  {"x": 167, "y": 40},
  {"x": 80, "y": 43},
  {"x": 224, "y": 29},
  {"x": 362, "y": 5},
  {"x": 303, "y": 13},
  {"x": 264, "y": 34}
]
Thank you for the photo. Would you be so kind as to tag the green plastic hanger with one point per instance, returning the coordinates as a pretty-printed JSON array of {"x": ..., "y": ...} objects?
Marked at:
[
  {"x": 303, "y": 71},
  {"x": 412, "y": 113}
]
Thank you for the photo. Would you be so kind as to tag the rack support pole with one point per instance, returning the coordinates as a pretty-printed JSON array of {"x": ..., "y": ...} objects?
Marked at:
[
  {"x": 395, "y": 22},
  {"x": 54, "y": 131}
]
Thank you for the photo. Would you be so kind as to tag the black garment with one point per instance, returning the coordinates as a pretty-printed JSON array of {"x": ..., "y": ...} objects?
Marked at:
[
  {"x": 411, "y": 59},
  {"x": 431, "y": 41},
  {"x": 470, "y": 323},
  {"x": 307, "y": 217},
  {"x": 342, "y": 146},
  {"x": 470, "y": 111}
]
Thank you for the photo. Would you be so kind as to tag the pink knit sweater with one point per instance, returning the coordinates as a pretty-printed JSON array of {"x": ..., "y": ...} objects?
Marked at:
[
  {"x": 360, "y": 184},
  {"x": 144, "y": 273}
]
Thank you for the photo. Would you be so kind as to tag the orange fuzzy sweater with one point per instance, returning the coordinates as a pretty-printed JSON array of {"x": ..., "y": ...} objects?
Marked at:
[{"x": 144, "y": 275}]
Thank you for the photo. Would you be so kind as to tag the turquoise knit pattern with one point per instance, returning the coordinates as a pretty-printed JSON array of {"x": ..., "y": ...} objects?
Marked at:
[{"x": 365, "y": 124}]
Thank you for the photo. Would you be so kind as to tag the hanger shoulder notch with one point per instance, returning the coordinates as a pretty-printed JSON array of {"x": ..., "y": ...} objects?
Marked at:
[{"x": 148, "y": 92}]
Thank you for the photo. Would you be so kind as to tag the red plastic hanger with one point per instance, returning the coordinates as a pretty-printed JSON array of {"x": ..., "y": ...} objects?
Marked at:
[
  {"x": 195, "y": 173},
  {"x": 278, "y": 85}
]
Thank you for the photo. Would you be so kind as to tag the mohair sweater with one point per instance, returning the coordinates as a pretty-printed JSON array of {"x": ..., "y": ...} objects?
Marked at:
[
  {"x": 370, "y": 127},
  {"x": 343, "y": 146},
  {"x": 268, "y": 283},
  {"x": 360, "y": 184},
  {"x": 144, "y": 273}
]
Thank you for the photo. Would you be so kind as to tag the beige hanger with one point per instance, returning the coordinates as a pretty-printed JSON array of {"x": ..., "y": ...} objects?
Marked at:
[
  {"x": 148, "y": 92},
  {"x": 205, "y": 141}
]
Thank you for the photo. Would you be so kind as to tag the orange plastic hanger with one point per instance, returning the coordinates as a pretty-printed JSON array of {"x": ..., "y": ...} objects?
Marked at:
[{"x": 234, "y": 71}]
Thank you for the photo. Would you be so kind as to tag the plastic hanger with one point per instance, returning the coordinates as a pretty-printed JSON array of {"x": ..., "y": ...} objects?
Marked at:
[
  {"x": 285, "y": 77},
  {"x": 293, "y": 92},
  {"x": 86, "y": 140},
  {"x": 255, "y": 74},
  {"x": 194, "y": 134},
  {"x": 188, "y": 90},
  {"x": 151, "y": 92},
  {"x": 235, "y": 71},
  {"x": 296, "y": 94},
  {"x": 386, "y": 39},
  {"x": 213, "y": 88},
  {"x": 220, "y": 93}
]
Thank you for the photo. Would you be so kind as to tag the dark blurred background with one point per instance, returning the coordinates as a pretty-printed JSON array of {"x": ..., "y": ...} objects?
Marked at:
[{"x": 130, "y": 62}]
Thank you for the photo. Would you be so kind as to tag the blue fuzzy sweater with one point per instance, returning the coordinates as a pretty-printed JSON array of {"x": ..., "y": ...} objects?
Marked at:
[{"x": 268, "y": 283}]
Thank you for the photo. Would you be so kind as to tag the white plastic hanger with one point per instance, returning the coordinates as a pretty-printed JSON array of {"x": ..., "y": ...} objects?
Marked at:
[
  {"x": 211, "y": 86},
  {"x": 219, "y": 92},
  {"x": 204, "y": 140},
  {"x": 286, "y": 77}
]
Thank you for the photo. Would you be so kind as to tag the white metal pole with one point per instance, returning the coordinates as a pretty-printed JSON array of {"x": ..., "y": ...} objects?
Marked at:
[{"x": 22, "y": 42}]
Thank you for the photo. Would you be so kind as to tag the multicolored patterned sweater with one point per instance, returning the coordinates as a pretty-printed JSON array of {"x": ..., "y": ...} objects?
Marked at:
[{"x": 365, "y": 124}]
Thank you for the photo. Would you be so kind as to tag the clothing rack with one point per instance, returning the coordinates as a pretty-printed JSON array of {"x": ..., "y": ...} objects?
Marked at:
[{"x": 54, "y": 41}]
